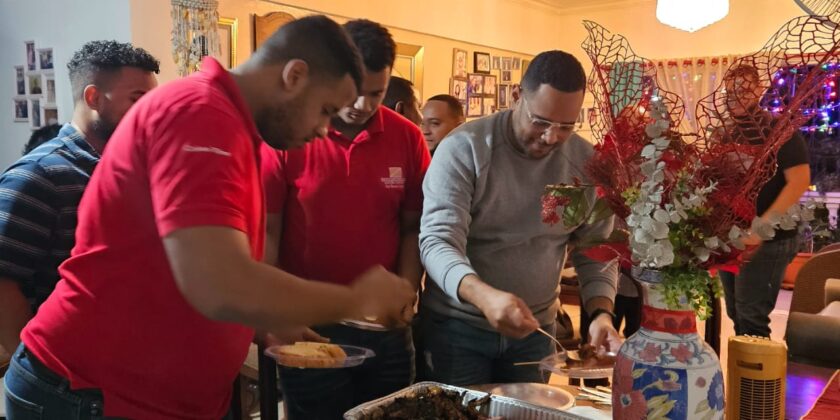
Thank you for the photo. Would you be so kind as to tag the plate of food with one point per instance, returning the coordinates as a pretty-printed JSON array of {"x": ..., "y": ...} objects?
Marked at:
[
  {"x": 587, "y": 363},
  {"x": 313, "y": 355}
]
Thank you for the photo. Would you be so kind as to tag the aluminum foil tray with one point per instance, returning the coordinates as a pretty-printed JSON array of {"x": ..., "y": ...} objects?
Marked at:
[{"x": 506, "y": 408}]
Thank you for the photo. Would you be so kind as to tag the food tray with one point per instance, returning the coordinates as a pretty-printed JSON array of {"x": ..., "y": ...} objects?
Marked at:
[
  {"x": 559, "y": 366},
  {"x": 355, "y": 357},
  {"x": 507, "y": 408}
]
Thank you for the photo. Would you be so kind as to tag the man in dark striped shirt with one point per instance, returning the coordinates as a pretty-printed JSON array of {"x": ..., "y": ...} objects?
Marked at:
[{"x": 40, "y": 193}]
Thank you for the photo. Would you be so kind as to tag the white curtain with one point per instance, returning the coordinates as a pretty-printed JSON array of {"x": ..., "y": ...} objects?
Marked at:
[{"x": 692, "y": 79}]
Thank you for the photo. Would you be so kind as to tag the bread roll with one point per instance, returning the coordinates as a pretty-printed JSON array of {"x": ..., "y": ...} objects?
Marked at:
[{"x": 305, "y": 354}]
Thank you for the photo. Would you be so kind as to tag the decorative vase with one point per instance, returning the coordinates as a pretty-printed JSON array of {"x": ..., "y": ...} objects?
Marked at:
[{"x": 665, "y": 370}]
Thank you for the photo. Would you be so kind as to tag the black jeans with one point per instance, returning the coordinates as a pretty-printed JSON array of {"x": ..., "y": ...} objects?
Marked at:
[
  {"x": 316, "y": 394},
  {"x": 751, "y": 296}
]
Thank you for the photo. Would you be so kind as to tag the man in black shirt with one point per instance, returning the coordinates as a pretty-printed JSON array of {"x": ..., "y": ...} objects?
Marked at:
[{"x": 751, "y": 295}]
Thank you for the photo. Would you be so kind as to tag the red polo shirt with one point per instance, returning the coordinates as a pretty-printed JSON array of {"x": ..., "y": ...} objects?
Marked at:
[
  {"x": 185, "y": 155},
  {"x": 342, "y": 198}
]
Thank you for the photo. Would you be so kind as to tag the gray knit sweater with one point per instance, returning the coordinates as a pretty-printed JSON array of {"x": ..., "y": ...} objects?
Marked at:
[{"x": 481, "y": 215}]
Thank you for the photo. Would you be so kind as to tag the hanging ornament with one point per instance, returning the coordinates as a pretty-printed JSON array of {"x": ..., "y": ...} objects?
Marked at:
[{"x": 195, "y": 33}]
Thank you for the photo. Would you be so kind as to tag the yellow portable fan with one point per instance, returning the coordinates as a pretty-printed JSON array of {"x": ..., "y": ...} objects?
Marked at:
[{"x": 755, "y": 386}]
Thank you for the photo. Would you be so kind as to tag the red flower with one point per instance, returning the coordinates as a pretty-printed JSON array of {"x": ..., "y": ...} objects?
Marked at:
[
  {"x": 701, "y": 382},
  {"x": 681, "y": 353},
  {"x": 623, "y": 376},
  {"x": 630, "y": 406},
  {"x": 600, "y": 192},
  {"x": 650, "y": 353}
]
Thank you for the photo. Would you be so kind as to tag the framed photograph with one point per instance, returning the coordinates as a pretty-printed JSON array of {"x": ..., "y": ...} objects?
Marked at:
[
  {"x": 459, "y": 63},
  {"x": 35, "y": 87},
  {"x": 489, "y": 105},
  {"x": 497, "y": 62},
  {"x": 504, "y": 91},
  {"x": 517, "y": 63},
  {"x": 490, "y": 86},
  {"x": 507, "y": 63},
  {"x": 31, "y": 63},
  {"x": 50, "y": 116},
  {"x": 476, "y": 84},
  {"x": 20, "y": 78},
  {"x": 45, "y": 58},
  {"x": 474, "y": 106},
  {"x": 506, "y": 76},
  {"x": 36, "y": 113},
  {"x": 228, "y": 33},
  {"x": 458, "y": 89},
  {"x": 50, "y": 90},
  {"x": 481, "y": 62},
  {"x": 21, "y": 110}
]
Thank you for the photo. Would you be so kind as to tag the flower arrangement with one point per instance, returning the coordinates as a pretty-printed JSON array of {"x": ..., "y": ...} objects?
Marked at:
[{"x": 668, "y": 195}]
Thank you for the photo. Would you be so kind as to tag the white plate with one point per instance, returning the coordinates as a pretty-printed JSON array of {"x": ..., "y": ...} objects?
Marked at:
[{"x": 538, "y": 394}]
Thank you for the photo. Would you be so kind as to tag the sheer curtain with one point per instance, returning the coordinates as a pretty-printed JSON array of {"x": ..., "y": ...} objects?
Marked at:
[{"x": 692, "y": 79}]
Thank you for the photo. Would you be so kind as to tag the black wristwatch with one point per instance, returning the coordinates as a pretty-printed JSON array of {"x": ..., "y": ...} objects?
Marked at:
[{"x": 600, "y": 311}]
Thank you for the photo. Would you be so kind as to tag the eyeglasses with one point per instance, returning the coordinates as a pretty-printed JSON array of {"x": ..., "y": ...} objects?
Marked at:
[{"x": 544, "y": 125}]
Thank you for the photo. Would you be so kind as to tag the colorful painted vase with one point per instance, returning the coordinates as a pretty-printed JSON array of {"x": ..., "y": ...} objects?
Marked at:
[{"x": 665, "y": 370}]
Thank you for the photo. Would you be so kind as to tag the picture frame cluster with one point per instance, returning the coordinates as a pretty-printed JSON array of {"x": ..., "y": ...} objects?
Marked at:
[
  {"x": 487, "y": 88},
  {"x": 34, "y": 99}
]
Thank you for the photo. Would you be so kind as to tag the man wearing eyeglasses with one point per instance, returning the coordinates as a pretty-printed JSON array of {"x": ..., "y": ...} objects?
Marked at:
[{"x": 493, "y": 265}]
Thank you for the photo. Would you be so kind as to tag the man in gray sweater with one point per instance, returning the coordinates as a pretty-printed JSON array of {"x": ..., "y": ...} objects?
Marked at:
[{"x": 494, "y": 266}]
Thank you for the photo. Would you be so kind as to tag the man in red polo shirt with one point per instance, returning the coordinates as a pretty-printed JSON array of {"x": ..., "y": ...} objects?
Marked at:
[
  {"x": 344, "y": 203},
  {"x": 160, "y": 298}
]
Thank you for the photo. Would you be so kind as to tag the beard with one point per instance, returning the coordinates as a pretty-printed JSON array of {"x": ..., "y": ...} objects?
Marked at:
[
  {"x": 276, "y": 125},
  {"x": 103, "y": 129}
]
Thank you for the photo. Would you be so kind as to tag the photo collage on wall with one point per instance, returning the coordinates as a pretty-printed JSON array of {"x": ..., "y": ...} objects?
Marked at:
[
  {"x": 487, "y": 88},
  {"x": 34, "y": 99}
]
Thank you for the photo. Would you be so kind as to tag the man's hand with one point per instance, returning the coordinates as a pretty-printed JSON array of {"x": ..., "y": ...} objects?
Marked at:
[
  {"x": 602, "y": 333},
  {"x": 384, "y": 298},
  {"x": 509, "y": 314},
  {"x": 289, "y": 335}
]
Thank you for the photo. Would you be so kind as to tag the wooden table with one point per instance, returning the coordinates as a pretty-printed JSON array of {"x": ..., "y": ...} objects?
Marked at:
[{"x": 804, "y": 385}]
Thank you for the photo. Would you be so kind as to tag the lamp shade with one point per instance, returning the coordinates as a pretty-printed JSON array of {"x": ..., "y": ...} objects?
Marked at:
[{"x": 691, "y": 15}]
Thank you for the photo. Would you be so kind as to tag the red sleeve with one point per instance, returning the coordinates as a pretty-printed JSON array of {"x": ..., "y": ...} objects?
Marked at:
[
  {"x": 273, "y": 178},
  {"x": 200, "y": 167},
  {"x": 419, "y": 162}
]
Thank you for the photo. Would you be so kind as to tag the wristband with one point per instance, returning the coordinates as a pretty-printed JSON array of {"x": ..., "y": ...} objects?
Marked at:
[{"x": 600, "y": 311}]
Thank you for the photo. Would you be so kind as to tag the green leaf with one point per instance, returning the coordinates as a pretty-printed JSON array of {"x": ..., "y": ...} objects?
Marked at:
[
  {"x": 638, "y": 373},
  {"x": 600, "y": 211},
  {"x": 702, "y": 406}
]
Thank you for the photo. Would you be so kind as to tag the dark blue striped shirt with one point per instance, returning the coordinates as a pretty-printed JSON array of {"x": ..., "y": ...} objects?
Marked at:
[{"x": 39, "y": 198}]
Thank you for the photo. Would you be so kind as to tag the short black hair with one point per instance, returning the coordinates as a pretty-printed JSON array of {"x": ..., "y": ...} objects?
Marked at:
[
  {"x": 374, "y": 42},
  {"x": 558, "y": 69},
  {"x": 97, "y": 58},
  {"x": 455, "y": 106},
  {"x": 743, "y": 70},
  {"x": 41, "y": 136},
  {"x": 320, "y": 42},
  {"x": 399, "y": 90}
]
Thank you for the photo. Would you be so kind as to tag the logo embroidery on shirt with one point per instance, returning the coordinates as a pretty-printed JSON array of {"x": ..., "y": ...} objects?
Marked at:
[
  {"x": 205, "y": 149},
  {"x": 395, "y": 179}
]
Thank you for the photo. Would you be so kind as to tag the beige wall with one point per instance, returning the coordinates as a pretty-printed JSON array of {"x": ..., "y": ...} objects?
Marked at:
[
  {"x": 747, "y": 28},
  {"x": 508, "y": 25},
  {"x": 437, "y": 50}
]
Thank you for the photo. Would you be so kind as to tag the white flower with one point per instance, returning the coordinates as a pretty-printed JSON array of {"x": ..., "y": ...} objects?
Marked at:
[
  {"x": 648, "y": 151},
  {"x": 661, "y": 215},
  {"x": 713, "y": 242},
  {"x": 702, "y": 253}
]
